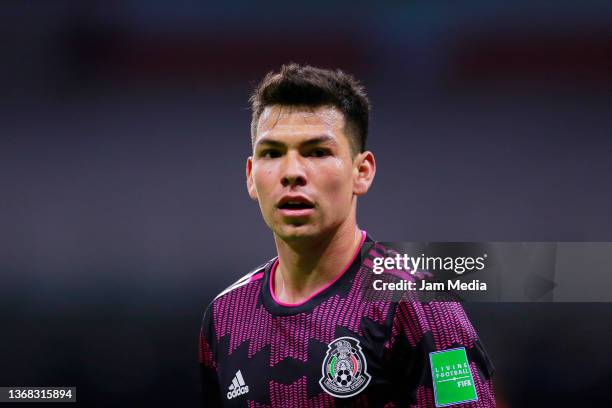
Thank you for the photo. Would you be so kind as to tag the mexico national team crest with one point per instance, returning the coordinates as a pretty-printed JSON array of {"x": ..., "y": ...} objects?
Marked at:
[{"x": 344, "y": 368}]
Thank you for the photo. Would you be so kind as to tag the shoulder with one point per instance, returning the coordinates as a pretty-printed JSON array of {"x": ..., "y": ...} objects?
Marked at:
[
  {"x": 254, "y": 276},
  {"x": 227, "y": 297}
]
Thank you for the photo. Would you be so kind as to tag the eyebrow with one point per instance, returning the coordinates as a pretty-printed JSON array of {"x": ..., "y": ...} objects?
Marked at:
[{"x": 312, "y": 141}]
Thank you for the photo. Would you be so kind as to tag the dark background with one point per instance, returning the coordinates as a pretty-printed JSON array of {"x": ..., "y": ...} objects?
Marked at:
[{"x": 124, "y": 129}]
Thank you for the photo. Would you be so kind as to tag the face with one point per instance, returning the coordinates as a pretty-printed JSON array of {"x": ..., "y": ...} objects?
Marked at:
[{"x": 303, "y": 173}]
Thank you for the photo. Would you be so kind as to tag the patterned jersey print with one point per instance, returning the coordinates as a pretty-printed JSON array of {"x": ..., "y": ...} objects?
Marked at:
[{"x": 344, "y": 347}]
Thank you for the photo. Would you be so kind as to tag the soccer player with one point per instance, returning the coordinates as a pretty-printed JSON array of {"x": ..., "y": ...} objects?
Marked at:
[{"x": 300, "y": 331}]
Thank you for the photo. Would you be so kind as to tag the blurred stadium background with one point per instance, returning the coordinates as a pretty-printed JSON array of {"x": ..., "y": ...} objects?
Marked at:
[{"x": 124, "y": 127}]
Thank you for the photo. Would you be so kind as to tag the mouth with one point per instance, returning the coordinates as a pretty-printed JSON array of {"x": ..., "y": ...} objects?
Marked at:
[{"x": 295, "y": 206}]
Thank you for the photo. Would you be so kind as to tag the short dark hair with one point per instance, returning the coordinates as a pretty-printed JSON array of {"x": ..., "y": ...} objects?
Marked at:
[{"x": 303, "y": 85}]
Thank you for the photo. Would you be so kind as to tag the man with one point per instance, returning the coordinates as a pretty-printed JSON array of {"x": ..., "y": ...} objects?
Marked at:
[{"x": 299, "y": 331}]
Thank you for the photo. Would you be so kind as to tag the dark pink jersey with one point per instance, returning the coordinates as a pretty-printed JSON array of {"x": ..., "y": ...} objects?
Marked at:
[{"x": 341, "y": 347}]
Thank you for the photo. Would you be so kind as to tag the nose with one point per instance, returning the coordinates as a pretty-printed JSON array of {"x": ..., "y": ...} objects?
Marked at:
[{"x": 293, "y": 173}]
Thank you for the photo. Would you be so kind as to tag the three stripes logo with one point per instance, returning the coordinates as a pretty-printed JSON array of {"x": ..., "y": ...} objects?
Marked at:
[{"x": 238, "y": 387}]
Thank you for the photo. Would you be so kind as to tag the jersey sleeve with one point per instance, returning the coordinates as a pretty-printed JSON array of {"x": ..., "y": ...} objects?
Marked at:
[
  {"x": 211, "y": 395},
  {"x": 422, "y": 328}
]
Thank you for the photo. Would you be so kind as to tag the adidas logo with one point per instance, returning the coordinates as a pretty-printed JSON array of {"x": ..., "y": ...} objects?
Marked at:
[{"x": 237, "y": 387}]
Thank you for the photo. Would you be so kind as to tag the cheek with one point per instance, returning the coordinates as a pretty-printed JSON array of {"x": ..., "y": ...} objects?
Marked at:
[
  {"x": 264, "y": 181},
  {"x": 339, "y": 181},
  {"x": 261, "y": 176}
]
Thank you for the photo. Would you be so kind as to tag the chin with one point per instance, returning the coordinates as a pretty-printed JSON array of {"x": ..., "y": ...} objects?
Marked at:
[{"x": 290, "y": 232}]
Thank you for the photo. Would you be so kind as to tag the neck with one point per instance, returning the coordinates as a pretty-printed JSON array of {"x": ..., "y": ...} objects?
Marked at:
[{"x": 308, "y": 266}]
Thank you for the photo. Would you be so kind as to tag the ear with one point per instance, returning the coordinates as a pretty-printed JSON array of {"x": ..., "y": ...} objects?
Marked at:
[
  {"x": 249, "y": 179},
  {"x": 364, "y": 172}
]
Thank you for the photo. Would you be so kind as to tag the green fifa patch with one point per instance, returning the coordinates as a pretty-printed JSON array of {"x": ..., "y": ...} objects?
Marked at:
[{"x": 452, "y": 378}]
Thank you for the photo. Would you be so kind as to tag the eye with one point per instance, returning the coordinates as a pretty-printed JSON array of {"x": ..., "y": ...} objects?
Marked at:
[
  {"x": 270, "y": 154},
  {"x": 319, "y": 152}
]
